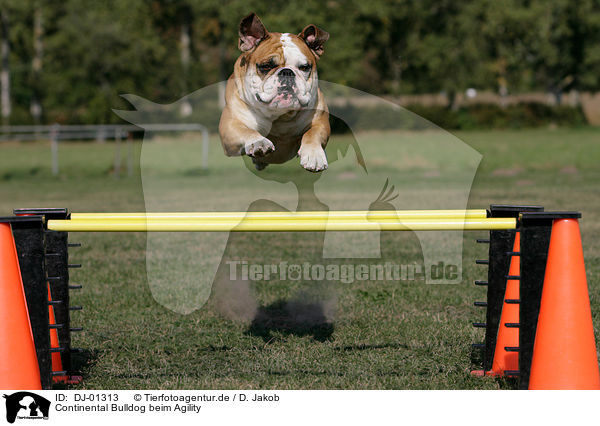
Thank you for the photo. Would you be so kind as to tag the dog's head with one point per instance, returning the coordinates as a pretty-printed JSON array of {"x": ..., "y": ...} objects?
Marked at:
[{"x": 279, "y": 71}]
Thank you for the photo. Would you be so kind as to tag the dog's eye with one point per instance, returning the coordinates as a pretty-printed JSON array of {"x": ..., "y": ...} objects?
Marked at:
[
  {"x": 265, "y": 67},
  {"x": 305, "y": 67}
]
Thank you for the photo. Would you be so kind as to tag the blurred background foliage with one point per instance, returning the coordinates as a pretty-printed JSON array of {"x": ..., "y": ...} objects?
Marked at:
[{"x": 69, "y": 61}]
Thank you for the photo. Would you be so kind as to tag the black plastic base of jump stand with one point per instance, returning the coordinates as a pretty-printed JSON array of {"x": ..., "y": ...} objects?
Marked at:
[
  {"x": 500, "y": 253},
  {"x": 43, "y": 261},
  {"x": 535, "y": 227}
]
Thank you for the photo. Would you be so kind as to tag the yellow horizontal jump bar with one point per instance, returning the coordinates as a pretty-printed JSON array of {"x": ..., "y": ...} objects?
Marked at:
[
  {"x": 187, "y": 225},
  {"x": 324, "y": 215}
]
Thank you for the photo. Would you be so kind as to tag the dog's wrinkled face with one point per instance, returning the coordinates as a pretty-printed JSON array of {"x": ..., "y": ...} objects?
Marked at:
[
  {"x": 279, "y": 70},
  {"x": 282, "y": 73}
]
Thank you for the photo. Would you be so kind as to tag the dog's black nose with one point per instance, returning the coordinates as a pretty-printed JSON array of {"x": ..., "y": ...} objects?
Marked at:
[
  {"x": 286, "y": 76},
  {"x": 286, "y": 72}
]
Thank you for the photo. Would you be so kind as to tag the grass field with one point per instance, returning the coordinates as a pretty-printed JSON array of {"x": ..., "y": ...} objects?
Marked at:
[{"x": 364, "y": 335}]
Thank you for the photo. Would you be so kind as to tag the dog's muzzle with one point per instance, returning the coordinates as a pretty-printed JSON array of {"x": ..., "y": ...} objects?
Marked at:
[{"x": 287, "y": 79}]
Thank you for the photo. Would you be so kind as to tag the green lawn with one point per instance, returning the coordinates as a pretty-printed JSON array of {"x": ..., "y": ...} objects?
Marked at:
[{"x": 292, "y": 334}]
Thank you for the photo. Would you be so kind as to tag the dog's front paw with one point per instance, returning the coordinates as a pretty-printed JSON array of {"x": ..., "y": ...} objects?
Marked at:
[
  {"x": 259, "y": 148},
  {"x": 312, "y": 159}
]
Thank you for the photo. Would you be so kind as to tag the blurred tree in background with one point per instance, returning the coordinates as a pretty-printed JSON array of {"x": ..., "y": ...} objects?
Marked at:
[{"x": 69, "y": 60}]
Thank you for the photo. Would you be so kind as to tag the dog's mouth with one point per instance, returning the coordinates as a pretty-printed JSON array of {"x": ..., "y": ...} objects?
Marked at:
[{"x": 283, "y": 98}]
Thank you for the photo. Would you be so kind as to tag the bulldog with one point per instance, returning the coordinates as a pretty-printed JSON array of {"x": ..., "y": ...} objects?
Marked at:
[{"x": 274, "y": 109}]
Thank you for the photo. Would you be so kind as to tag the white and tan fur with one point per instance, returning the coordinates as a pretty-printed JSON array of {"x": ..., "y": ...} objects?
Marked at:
[{"x": 274, "y": 109}]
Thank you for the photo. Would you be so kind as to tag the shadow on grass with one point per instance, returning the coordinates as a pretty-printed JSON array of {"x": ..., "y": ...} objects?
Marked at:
[
  {"x": 84, "y": 359},
  {"x": 297, "y": 319}
]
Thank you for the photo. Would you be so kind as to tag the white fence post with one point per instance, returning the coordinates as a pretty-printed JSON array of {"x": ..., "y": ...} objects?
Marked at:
[
  {"x": 117, "y": 164},
  {"x": 54, "y": 148},
  {"x": 129, "y": 154},
  {"x": 205, "y": 141}
]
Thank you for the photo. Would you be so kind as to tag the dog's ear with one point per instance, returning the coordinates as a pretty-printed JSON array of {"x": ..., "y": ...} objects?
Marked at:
[
  {"x": 252, "y": 31},
  {"x": 315, "y": 38}
]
